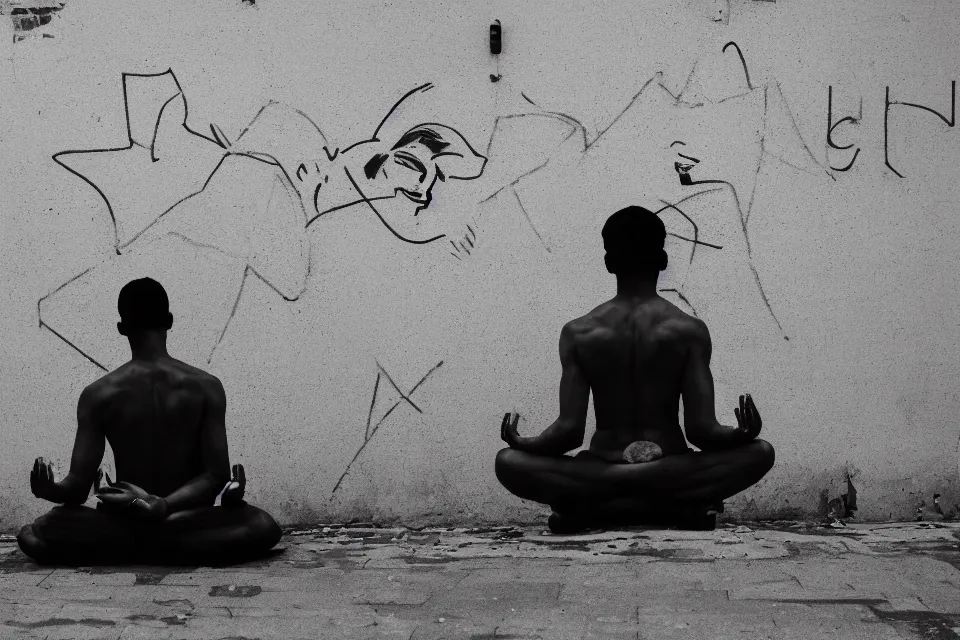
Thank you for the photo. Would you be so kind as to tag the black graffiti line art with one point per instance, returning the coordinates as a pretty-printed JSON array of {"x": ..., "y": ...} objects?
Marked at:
[
  {"x": 467, "y": 245},
  {"x": 577, "y": 130},
  {"x": 776, "y": 119},
  {"x": 831, "y": 129},
  {"x": 384, "y": 378},
  {"x": 950, "y": 122},
  {"x": 244, "y": 205},
  {"x": 743, "y": 62}
]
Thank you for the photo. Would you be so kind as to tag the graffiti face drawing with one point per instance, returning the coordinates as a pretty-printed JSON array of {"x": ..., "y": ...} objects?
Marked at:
[
  {"x": 395, "y": 178},
  {"x": 693, "y": 156},
  {"x": 200, "y": 213},
  {"x": 412, "y": 166},
  {"x": 683, "y": 163}
]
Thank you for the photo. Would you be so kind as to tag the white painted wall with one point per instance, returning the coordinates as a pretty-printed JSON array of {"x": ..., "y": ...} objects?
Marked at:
[{"x": 860, "y": 267}]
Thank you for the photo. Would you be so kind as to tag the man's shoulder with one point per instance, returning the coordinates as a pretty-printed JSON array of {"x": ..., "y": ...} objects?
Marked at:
[
  {"x": 664, "y": 316},
  {"x": 603, "y": 318},
  {"x": 100, "y": 391},
  {"x": 205, "y": 380},
  {"x": 172, "y": 371},
  {"x": 583, "y": 325},
  {"x": 686, "y": 327}
]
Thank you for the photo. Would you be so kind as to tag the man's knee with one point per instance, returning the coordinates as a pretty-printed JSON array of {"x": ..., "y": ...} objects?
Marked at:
[
  {"x": 508, "y": 463},
  {"x": 262, "y": 528},
  {"x": 36, "y": 537},
  {"x": 763, "y": 456},
  {"x": 31, "y": 544}
]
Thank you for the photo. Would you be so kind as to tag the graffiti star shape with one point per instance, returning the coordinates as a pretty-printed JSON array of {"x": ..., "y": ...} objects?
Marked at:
[{"x": 371, "y": 429}]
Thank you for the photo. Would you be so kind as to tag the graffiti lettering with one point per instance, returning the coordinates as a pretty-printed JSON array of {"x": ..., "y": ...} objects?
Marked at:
[{"x": 886, "y": 119}]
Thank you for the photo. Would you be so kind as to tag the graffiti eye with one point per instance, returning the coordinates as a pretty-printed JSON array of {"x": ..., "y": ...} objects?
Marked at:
[{"x": 409, "y": 162}]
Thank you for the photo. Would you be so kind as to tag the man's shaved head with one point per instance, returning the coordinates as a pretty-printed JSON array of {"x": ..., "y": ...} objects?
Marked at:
[
  {"x": 633, "y": 238},
  {"x": 143, "y": 304}
]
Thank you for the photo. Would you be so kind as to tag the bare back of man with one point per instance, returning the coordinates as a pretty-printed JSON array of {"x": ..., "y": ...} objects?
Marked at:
[
  {"x": 152, "y": 414},
  {"x": 632, "y": 353},
  {"x": 165, "y": 422},
  {"x": 639, "y": 355}
]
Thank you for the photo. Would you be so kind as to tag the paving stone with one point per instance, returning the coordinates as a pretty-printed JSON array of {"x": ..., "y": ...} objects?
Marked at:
[
  {"x": 611, "y": 630},
  {"x": 39, "y": 608},
  {"x": 881, "y": 583},
  {"x": 941, "y": 597},
  {"x": 546, "y": 623},
  {"x": 749, "y": 573},
  {"x": 266, "y": 582},
  {"x": 74, "y": 578},
  {"x": 827, "y": 574},
  {"x": 200, "y": 597},
  {"x": 336, "y": 623},
  {"x": 629, "y": 570},
  {"x": 855, "y": 622},
  {"x": 901, "y": 603},
  {"x": 89, "y": 593},
  {"x": 57, "y": 627},
  {"x": 528, "y": 572},
  {"x": 452, "y": 628},
  {"x": 23, "y": 578},
  {"x": 713, "y": 626},
  {"x": 499, "y": 594},
  {"x": 99, "y": 612},
  {"x": 388, "y": 587},
  {"x": 789, "y": 592}
]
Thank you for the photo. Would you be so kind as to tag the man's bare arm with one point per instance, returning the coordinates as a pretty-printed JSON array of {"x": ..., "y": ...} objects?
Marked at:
[
  {"x": 567, "y": 431},
  {"x": 702, "y": 428},
  {"x": 88, "y": 448},
  {"x": 203, "y": 489}
]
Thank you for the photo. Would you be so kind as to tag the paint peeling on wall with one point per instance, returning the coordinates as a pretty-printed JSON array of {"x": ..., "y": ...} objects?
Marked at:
[
  {"x": 933, "y": 511},
  {"x": 28, "y": 17},
  {"x": 720, "y": 11},
  {"x": 841, "y": 508}
]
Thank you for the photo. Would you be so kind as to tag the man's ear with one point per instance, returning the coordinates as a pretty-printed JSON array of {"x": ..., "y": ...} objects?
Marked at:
[
  {"x": 663, "y": 260},
  {"x": 169, "y": 321},
  {"x": 121, "y": 329}
]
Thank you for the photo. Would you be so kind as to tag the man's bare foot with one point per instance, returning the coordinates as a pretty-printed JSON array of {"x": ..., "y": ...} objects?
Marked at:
[
  {"x": 696, "y": 520},
  {"x": 567, "y": 524},
  {"x": 642, "y": 451},
  {"x": 232, "y": 496},
  {"x": 715, "y": 508},
  {"x": 684, "y": 516}
]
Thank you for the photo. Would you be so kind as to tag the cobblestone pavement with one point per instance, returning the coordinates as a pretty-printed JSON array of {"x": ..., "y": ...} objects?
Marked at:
[{"x": 781, "y": 580}]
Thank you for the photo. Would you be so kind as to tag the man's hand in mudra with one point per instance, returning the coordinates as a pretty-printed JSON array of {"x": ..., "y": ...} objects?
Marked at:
[
  {"x": 748, "y": 418},
  {"x": 508, "y": 430},
  {"x": 128, "y": 498}
]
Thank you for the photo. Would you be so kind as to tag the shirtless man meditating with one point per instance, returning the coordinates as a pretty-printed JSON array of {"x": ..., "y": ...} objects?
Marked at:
[
  {"x": 165, "y": 422},
  {"x": 639, "y": 354}
]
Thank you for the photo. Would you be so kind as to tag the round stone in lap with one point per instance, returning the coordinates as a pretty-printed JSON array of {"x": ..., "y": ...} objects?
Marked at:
[{"x": 642, "y": 451}]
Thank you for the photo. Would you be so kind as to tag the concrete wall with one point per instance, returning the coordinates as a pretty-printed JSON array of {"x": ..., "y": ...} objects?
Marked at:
[{"x": 366, "y": 375}]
